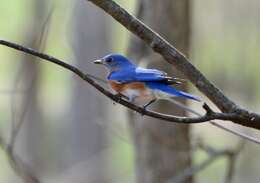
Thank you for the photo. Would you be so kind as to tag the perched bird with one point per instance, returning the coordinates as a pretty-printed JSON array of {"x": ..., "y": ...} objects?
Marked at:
[{"x": 140, "y": 84}]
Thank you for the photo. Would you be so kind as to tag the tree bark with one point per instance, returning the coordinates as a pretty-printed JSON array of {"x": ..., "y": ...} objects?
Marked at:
[{"x": 162, "y": 150}]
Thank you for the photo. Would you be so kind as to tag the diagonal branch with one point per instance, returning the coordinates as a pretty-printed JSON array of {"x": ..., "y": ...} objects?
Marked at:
[
  {"x": 177, "y": 59},
  {"x": 86, "y": 77},
  {"x": 117, "y": 98},
  {"x": 190, "y": 171},
  {"x": 210, "y": 115},
  {"x": 17, "y": 164},
  {"x": 218, "y": 125},
  {"x": 214, "y": 154}
]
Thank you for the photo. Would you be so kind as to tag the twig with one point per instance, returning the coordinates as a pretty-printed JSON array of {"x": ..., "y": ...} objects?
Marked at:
[
  {"x": 232, "y": 157},
  {"x": 40, "y": 42},
  {"x": 190, "y": 171},
  {"x": 18, "y": 166},
  {"x": 21, "y": 168},
  {"x": 214, "y": 154},
  {"x": 177, "y": 59},
  {"x": 232, "y": 131},
  {"x": 16, "y": 126}
]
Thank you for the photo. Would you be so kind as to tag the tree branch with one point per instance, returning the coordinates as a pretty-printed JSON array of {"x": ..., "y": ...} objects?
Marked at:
[
  {"x": 220, "y": 126},
  {"x": 210, "y": 114},
  {"x": 214, "y": 154},
  {"x": 86, "y": 77},
  {"x": 18, "y": 166},
  {"x": 178, "y": 60}
]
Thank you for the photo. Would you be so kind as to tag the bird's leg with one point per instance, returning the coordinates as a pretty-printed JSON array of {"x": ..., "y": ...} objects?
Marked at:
[{"x": 149, "y": 103}]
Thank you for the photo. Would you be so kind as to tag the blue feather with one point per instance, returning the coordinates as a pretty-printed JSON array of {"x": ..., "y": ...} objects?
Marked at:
[
  {"x": 124, "y": 71},
  {"x": 142, "y": 74},
  {"x": 170, "y": 90},
  {"x": 132, "y": 74}
]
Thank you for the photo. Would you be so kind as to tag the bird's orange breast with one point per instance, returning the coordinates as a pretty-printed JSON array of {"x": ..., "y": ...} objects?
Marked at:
[
  {"x": 137, "y": 91},
  {"x": 120, "y": 87}
]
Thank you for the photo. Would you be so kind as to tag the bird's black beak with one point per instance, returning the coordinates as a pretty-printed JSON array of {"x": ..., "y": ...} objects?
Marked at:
[{"x": 98, "y": 62}]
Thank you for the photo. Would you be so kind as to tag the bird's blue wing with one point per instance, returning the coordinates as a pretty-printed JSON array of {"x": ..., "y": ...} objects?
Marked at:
[
  {"x": 142, "y": 74},
  {"x": 151, "y": 75},
  {"x": 137, "y": 74},
  {"x": 170, "y": 90}
]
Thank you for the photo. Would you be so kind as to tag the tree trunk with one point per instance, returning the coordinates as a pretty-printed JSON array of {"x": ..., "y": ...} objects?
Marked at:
[
  {"x": 87, "y": 137},
  {"x": 162, "y": 149},
  {"x": 31, "y": 140}
]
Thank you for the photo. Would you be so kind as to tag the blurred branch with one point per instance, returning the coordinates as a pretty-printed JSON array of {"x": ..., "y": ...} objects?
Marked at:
[
  {"x": 189, "y": 172},
  {"x": 210, "y": 114},
  {"x": 39, "y": 40},
  {"x": 16, "y": 163},
  {"x": 230, "y": 169},
  {"x": 21, "y": 168},
  {"x": 214, "y": 154},
  {"x": 232, "y": 158},
  {"x": 177, "y": 59},
  {"x": 15, "y": 127},
  {"x": 220, "y": 126}
]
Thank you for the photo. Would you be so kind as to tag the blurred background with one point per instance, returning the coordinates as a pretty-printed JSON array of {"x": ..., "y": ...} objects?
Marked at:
[{"x": 72, "y": 133}]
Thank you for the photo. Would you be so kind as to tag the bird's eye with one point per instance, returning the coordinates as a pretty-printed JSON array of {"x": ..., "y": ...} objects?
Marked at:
[{"x": 109, "y": 60}]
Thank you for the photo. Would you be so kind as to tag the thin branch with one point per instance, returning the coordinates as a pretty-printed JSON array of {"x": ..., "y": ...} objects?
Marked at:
[
  {"x": 230, "y": 169},
  {"x": 118, "y": 99},
  {"x": 177, "y": 59},
  {"x": 190, "y": 171},
  {"x": 232, "y": 159},
  {"x": 16, "y": 126},
  {"x": 214, "y": 154},
  {"x": 17, "y": 164},
  {"x": 19, "y": 167},
  {"x": 40, "y": 42},
  {"x": 209, "y": 110}
]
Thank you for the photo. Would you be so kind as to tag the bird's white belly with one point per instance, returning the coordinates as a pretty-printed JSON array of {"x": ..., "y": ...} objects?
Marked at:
[
  {"x": 139, "y": 96},
  {"x": 131, "y": 93}
]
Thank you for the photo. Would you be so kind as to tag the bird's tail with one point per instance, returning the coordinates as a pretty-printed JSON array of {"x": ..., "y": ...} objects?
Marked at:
[{"x": 171, "y": 91}]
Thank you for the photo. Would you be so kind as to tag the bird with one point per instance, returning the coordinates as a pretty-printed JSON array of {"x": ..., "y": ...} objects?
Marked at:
[{"x": 140, "y": 85}]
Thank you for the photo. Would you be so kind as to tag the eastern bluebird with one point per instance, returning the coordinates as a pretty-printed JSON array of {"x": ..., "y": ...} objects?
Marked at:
[{"x": 140, "y": 84}]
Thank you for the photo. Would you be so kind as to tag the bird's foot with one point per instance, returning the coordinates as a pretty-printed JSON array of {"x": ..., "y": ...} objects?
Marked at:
[
  {"x": 148, "y": 104},
  {"x": 119, "y": 97}
]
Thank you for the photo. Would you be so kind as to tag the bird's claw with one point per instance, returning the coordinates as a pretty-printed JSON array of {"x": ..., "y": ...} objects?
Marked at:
[
  {"x": 144, "y": 107},
  {"x": 119, "y": 97}
]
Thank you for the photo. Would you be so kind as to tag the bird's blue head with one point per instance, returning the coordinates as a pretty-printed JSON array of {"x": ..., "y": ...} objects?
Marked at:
[{"x": 115, "y": 61}]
